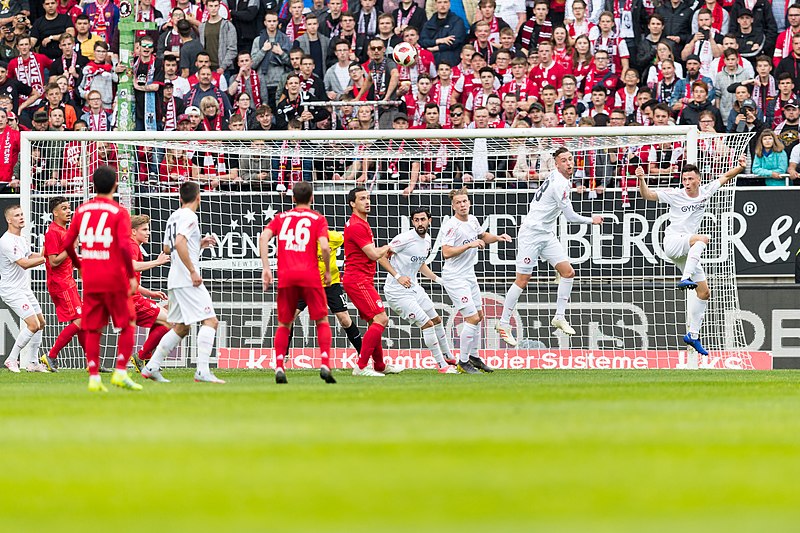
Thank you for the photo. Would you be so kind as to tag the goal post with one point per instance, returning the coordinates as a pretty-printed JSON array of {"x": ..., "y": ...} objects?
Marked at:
[{"x": 625, "y": 306}]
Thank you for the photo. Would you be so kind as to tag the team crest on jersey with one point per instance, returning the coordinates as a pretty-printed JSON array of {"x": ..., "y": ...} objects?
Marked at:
[
  {"x": 527, "y": 261},
  {"x": 25, "y": 307},
  {"x": 379, "y": 303},
  {"x": 77, "y": 310}
]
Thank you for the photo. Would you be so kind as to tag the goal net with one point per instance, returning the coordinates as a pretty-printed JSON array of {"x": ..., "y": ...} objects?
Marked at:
[{"x": 625, "y": 307}]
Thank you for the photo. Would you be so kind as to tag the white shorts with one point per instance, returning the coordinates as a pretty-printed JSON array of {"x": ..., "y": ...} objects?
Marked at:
[
  {"x": 413, "y": 304},
  {"x": 464, "y": 293},
  {"x": 190, "y": 305},
  {"x": 676, "y": 248},
  {"x": 533, "y": 246},
  {"x": 22, "y": 302}
]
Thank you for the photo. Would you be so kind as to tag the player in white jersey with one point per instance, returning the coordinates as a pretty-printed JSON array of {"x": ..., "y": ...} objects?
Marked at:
[
  {"x": 15, "y": 290},
  {"x": 682, "y": 243},
  {"x": 537, "y": 240},
  {"x": 463, "y": 236},
  {"x": 189, "y": 299},
  {"x": 404, "y": 295}
]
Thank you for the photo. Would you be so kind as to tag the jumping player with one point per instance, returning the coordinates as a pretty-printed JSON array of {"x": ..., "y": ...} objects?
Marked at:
[
  {"x": 410, "y": 249},
  {"x": 682, "y": 244},
  {"x": 15, "y": 290},
  {"x": 300, "y": 231},
  {"x": 537, "y": 240},
  {"x": 102, "y": 226},
  {"x": 360, "y": 255}
]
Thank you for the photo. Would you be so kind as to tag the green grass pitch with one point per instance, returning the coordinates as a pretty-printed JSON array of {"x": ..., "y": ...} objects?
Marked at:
[{"x": 588, "y": 451}]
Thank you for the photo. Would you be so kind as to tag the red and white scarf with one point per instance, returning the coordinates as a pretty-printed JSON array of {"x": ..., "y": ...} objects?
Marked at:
[
  {"x": 30, "y": 73},
  {"x": 7, "y": 147},
  {"x": 170, "y": 115},
  {"x": 98, "y": 122},
  {"x": 101, "y": 26},
  {"x": 294, "y": 167},
  {"x": 404, "y": 20},
  {"x": 70, "y": 79},
  {"x": 255, "y": 88},
  {"x": 295, "y": 30},
  {"x": 217, "y": 126}
]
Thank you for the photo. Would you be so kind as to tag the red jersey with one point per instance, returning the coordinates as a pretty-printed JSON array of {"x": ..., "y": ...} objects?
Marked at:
[
  {"x": 136, "y": 255},
  {"x": 298, "y": 231},
  {"x": 9, "y": 152},
  {"x": 103, "y": 228},
  {"x": 523, "y": 90},
  {"x": 552, "y": 75},
  {"x": 358, "y": 268},
  {"x": 59, "y": 278}
]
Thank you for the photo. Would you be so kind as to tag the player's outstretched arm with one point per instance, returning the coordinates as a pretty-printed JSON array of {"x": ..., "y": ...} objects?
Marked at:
[
  {"x": 644, "y": 188},
  {"x": 454, "y": 251},
  {"x": 735, "y": 171},
  {"x": 141, "y": 266},
  {"x": 375, "y": 254},
  {"x": 263, "y": 250},
  {"x": 490, "y": 238},
  {"x": 32, "y": 261}
]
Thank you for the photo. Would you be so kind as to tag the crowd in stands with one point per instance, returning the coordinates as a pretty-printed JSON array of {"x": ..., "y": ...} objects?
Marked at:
[{"x": 721, "y": 65}]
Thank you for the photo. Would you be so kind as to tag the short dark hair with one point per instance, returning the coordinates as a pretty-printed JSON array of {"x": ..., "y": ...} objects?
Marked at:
[
  {"x": 688, "y": 167},
  {"x": 560, "y": 150},
  {"x": 189, "y": 192},
  {"x": 418, "y": 210},
  {"x": 351, "y": 194},
  {"x": 104, "y": 179},
  {"x": 662, "y": 107},
  {"x": 302, "y": 192},
  {"x": 54, "y": 202}
]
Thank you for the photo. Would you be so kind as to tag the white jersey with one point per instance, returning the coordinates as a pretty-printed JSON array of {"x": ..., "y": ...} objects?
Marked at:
[
  {"x": 551, "y": 199},
  {"x": 182, "y": 222},
  {"x": 458, "y": 233},
  {"x": 12, "y": 249},
  {"x": 410, "y": 252},
  {"x": 686, "y": 213}
]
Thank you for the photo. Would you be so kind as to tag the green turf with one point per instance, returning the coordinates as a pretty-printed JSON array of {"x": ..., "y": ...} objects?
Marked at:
[{"x": 530, "y": 451}]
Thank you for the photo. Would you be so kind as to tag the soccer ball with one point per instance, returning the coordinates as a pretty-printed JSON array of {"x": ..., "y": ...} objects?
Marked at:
[{"x": 404, "y": 54}]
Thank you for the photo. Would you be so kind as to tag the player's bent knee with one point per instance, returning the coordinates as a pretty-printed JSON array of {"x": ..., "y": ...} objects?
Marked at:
[
  {"x": 181, "y": 329},
  {"x": 436, "y": 320},
  {"x": 381, "y": 319},
  {"x": 427, "y": 325},
  {"x": 211, "y": 322}
]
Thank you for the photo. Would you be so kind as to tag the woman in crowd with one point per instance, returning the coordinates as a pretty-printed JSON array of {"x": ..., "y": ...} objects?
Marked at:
[{"x": 769, "y": 159}]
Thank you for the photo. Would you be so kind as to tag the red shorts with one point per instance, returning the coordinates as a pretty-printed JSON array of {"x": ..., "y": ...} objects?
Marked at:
[
  {"x": 68, "y": 304},
  {"x": 98, "y": 307},
  {"x": 313, "y": 296},
  {"x": 146, "y": 311},
  {"x": 365, "y": 298}
]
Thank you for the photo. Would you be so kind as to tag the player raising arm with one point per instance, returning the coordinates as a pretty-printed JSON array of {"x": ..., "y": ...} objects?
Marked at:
[
  {"x": 537, "y": 240},
  {"x": 148, "y": 313},
  {"x": 102, "y": 227},
  {"x": 682, "y": 244},
  {"x": 410, "y": 249},
  {"x": 189, "y": 299},
  {"x": 15, "y": 289},
  {"x": 300, "y": 231},
  {"x": 463, "y": 237}
]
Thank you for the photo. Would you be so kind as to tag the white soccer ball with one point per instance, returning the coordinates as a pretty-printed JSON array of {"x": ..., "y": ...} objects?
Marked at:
[{"x": 404, "y": 54}]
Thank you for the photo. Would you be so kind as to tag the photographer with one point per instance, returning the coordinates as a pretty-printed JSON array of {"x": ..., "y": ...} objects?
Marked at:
[{"x": 706, "y": 43}]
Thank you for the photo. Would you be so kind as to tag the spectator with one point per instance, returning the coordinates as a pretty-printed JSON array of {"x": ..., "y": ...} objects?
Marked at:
[
  {"x": 729, "y": 42},
  {"x": 243, "y": 106},
  {"x": 569, "y": 116},
  {"x": 29, "y": 67},
  {"x": 656, "y": 72},
  {"x": 263, "y": 118},
  {"x": 293, "y": 24},
  {"x": 337, "y": 77},
  {"x": 486, "y": 13},
  {"x": 386, "y": 33},
  {"x": 96, "y": 117},
  {"x": 425, "y": 62},
  {"x": 205, "y": 88},
  {"x": 177, "y": 167},
  {"x": 764, "y": 88},
  {"x": 444, "y": 34},
  {"x": 315, "y": 45},
  {"x": 218, "y": 37},
  {"x": 360, "y": 87},
  {"x": 569, "y": 95},
  {"x": 607, "y": 38},
  {"x": 548, "y": 97},
  {"x": 537, "y": 30},
  {"x": 682, "y": 94},
  {"x": 786, "y": 92},
  {"x": 741, "y": 93},
  {"x": 769, "y": 159},
  {"x": 191, "y": 49},
  {"x": 330, "y": 24},
  {"x": 600, "y": 74},
  {"x": 731, "y": 74},
  {"x": 705, "y": 43},
  {"x": 791, "y": 64},
  {"x": 547, "y": 72},
  {"x": 690, "y": 114},
  {"x": 290, "y": 107},
  {"x": 148, "y": 76},
  {"x": 457, "y": 117},
  {"x": 180, "y": 84},
  {"x": 646, "y": 49},
  {"x": 69, "y": 64},
  {"x": 578, "y": 21},
  {"x": 103, "y": 19},
  {"x": 719, "y": 17},
  {"x": 598, "y": 103},
  {"x": 415, "y": 103},
  {"x": 478, "y": 96},
  {"x": 98, "y": 76},
  {"x": 763, "y": 20},
  {"x": 312, "y": 86},
  {"x": 270, "y": 55},
  {"x": 581, "y": 60},
  {"x": 787, "y": 130},
  {"x": 170, "y": 37},
  {"x": 750, "y": 42},
  {"x": 21, "y": 94},
  {"x": 247, "y": 81},
  {"x": 383, "y": 75},
  {"x": 784, "y": 46},
  {"x": 170, "y": 109},
  {"x": 54, "y": 99},
  {"x": 47, "y": 30},
  {"x": 625, "y": 97},
  {"x": 244, "y": 16},
  {"x": 84, "y": 38},
  {"x": 9, "y": 155},
  {"x": 677, "y": 15},
  {"x": 366, "y": 18}
]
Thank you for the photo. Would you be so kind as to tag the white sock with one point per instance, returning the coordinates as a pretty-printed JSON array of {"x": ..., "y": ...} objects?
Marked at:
[
  {"x": 35, "y": 343},
  {"x": 468, "y": 333},
  {"x": 205, "y": 343},
  {"x": 696, "y": 311},
  {"x": 564, "y": 290},
  {"x": 24, "y": 337},
  {"x": 443, "y": 344},
  {"x": 693, "y": 259},
  {"x": 432, "y": 342},
  {"x": 167, "y": 343},
  {"x": 512, "y": 296},
  {"x": 478, "y": 341}
]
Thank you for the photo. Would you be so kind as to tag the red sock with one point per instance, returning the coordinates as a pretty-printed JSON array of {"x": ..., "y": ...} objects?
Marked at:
[
  {"x": 370, "y": 344},
  {"x": 92, "y": 352},
  {"x": 281, "y": 345},
  {"x": 124, "y": 347},
  {"x": 151, "y": 343},
  {"x": 379, "y": 365},
  {"x": 324, "y": 338},
  {"x": 63, "y": 339},
  {"x": 82, "y": 339}
]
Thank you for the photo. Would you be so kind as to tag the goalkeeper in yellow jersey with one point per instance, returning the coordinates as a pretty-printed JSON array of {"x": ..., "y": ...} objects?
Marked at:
[{"x": 337, "y": 302}]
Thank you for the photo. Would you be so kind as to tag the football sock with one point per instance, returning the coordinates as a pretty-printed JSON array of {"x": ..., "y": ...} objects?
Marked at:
[
  {"x": 697, "y": 310},
  {"x": 377, "y": 357},
  {"x": 36, "y": 342},
  {"x": 372, "y": 338},
  {"x": 157, "y": 332},
  {"x": 477, "y": 341},
  {"x": 124, "y": 347},
  {"x": 512, "y": 296},
  {"x": 282, "y": 335},
  {"x": 205, "y": 343},
  {"x": 168, "y": 343},
  {"x": 288, "y": 339},
  {"x": 443, "y": 344},
  {"x": 467, "y": 338},
  {"x": 82, "y": 338},
  {"x": 354, "y": 336},
  {"x": 564, "y": 290},
  {"x": 693, "y": 259},
  {"x": 324, "y": 337},
  {"x": 432, "y": 342},
  {"x": 93, "y": 352},
  {"x": 63, "y": 339},
  {"x": 24, "y": 337}
]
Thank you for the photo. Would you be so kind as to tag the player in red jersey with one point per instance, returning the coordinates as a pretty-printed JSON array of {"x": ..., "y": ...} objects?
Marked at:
[
  {"x": 360, "y": 256},
  {"x": 60, "y": 284},
  {"x": 103, "y": 228},
  {"x": 148, "y": 313},
  {"x": 299, "y": 230}
]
